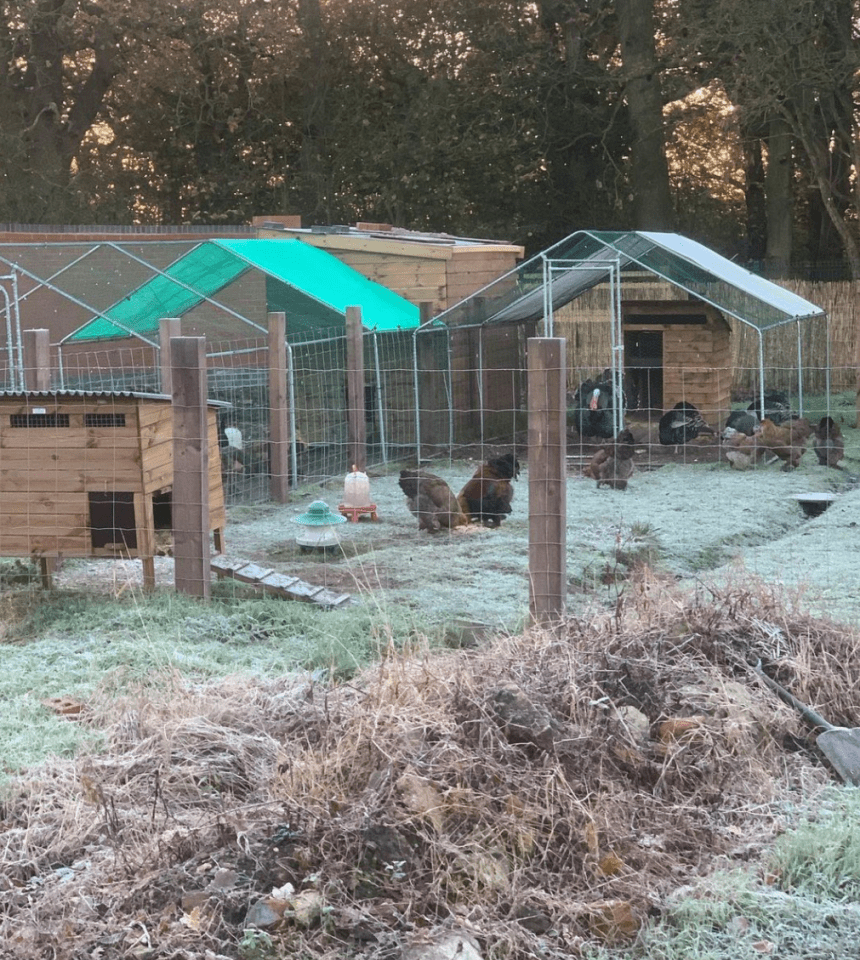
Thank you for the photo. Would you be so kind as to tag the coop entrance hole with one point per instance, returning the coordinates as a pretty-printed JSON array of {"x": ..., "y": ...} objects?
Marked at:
[
  {"x": 112, "y": 520},
  {"x": 162, "y": 510}
]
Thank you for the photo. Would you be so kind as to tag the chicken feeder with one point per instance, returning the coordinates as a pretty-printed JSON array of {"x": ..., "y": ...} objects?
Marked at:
[{"x": 318, "y": 527}]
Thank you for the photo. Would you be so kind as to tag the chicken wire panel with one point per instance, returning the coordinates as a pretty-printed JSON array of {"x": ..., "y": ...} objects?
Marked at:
[
  {"x": 8, "y": 374},
  {"x": 65, "y": 285},
  {"x": 489, "y": 383},
  {"x": 390, "y": 411},
  {"x": 118, "y": 368},
  {"x": 319, "y": 377},
  {"x": 238, "y": 375},
  {"x": 434, "y": 377}
]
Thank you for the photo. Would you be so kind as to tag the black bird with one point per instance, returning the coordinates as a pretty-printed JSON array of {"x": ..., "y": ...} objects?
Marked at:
[
  {"x": 681, "y": 424},
  {"x": 777, "y": 407},
  {"x": 740, "y": 421},
  {"x": 592, "y": 407}
]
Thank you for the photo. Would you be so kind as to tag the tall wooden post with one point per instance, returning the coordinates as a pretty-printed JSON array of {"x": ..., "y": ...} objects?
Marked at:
[
  {"x": 356, "y": 418},
  {"x": 168, "y": 328},
  {"x": 547, "y": 366},
  {"x": 190, "y": 503},
  {"x": 37, "y": 360},
  {"x": 279, "y": 410}
]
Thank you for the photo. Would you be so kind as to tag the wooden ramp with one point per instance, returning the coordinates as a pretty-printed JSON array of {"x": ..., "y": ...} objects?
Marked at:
[{"x": 289, "y": 588}]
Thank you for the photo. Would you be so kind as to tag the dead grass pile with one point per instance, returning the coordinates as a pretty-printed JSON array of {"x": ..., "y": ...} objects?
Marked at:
[{"x": 549, "y": 787}]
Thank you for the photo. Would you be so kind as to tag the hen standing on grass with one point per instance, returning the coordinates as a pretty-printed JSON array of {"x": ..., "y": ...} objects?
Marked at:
[
  {"x": 487, "y": 496},
  {"x": 828, "y": 443},
  {"x": 613, "y": 465},
  {"x": 431, "y": 500}
]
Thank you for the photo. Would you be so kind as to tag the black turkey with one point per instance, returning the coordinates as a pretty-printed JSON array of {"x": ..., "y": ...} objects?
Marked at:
[
  {"x": 681, "y": 424},
  {"x": 777, "y": 407},
  {"x": 740, "y": 421}
]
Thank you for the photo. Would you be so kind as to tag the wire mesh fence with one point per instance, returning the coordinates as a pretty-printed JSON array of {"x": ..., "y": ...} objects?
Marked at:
[{"x": 438, "y": 393}]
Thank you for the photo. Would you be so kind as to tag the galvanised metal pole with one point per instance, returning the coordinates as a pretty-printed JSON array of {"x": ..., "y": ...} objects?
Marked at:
[{"x": 380, "y": 405}]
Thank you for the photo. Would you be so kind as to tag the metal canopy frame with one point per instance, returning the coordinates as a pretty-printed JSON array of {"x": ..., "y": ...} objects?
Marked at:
[{"x": 533, "y": 290}]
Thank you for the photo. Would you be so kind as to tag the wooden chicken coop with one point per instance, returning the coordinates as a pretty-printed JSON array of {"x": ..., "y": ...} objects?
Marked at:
[
  {"x": 677, "y": 350},
  {"x": 91, "y": 475},
  {"x": 438, "y": 270}
]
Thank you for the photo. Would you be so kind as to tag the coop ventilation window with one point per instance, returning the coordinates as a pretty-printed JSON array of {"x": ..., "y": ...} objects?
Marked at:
[
  {"x": 39, "y": 420},
  {"x": 104, "y": 419}
]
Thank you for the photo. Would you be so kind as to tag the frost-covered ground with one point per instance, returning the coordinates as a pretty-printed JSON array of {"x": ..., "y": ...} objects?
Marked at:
[
  {"x": 691, "y": 518},
  {"x": 697, "y": 521}
]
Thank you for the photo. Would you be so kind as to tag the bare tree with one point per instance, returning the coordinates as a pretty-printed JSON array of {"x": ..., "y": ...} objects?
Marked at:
[{"x": 792, "y": 68}]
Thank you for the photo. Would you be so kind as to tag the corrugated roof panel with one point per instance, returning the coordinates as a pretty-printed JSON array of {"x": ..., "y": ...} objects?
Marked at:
[{"x": 790, "y": 305}]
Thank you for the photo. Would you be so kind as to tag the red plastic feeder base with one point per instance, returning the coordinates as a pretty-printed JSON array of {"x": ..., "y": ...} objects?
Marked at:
[{"x": 353, "y": 513}]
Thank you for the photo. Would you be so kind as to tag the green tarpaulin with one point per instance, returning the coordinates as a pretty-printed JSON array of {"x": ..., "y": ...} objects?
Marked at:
[{"x": 311, "y": 286}]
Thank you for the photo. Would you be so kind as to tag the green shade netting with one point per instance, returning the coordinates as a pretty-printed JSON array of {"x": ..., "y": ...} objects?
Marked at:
[{"x": 311, "y": 286}]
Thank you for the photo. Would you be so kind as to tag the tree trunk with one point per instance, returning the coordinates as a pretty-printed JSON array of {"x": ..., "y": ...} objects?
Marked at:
[
  {"x": 652, "y": 199},
  {"x": 815, "y": 151},
  {"x": 780, "y": 204},
  {"x": 312, "y": 192},
  {"x": 47, "y": 115},
  {"x": 754, "y": 192}
]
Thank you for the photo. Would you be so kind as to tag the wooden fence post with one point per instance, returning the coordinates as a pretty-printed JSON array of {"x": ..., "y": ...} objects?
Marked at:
[
  {"x": 857, "y": 365},
  {"x": 356, "y": 416},
  {"x": 37, "y": 360},
  {"x": 190, "y": 502},
  {"x": 279, "y": 410},
  {"x": 168, "y": 328},
  {"x": 547, "y": 366}
]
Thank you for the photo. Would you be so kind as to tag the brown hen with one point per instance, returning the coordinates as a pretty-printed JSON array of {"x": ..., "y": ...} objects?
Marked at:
[
  {"x": 487, "y": 496},
  {"x": 431, "y": 500},
  {"x": 828, "y": 443},
  {"x": 612, "y": 466},
  {"x": 742, "y": 451},
  {"x": 787, "y": 441}
]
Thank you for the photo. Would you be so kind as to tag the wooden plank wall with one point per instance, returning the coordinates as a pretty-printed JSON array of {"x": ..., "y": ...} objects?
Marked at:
[
  {"x": 418, "y": 279},
  {"x": 692, "y": 357},
  {"x": 433, "y": 396},
  {"x": 471, "y": 268},
  {"x": 502, "y": 347},
  {"x": 320, "y": 375},
  {"x": 585, "y": 324},
  {"x": 504, "y": 379},
  {"x": 156, "y": 440},
  {"x": 48, "y": 471}
]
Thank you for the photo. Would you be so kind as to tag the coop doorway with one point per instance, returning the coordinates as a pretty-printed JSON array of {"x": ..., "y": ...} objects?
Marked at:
[
  {"x": 162, "y": 510},
  {"x": 112, "y": 520},
  {"x": 643, "y": 360}
]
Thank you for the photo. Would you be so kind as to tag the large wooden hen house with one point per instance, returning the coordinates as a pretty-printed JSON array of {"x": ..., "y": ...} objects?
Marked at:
[
  {"x": 91, "y": 475},
  {"x": 678, "y": 351}
]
